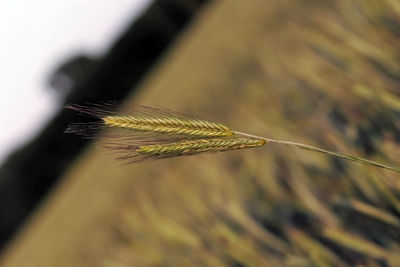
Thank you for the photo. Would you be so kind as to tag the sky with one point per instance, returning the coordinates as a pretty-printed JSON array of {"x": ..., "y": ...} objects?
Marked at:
[{"x": 35, "y": 37}]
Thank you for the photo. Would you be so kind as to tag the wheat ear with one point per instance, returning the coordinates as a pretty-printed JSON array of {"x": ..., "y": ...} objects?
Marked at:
[
  {"x": 168, "y": 125},
  {"x": 135, "y": 153},
  {"x": 147, "y": 119},
  {"x": 194, "y": 136}
]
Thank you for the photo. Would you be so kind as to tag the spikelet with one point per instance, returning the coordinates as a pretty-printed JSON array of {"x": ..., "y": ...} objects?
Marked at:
[
  {"x": 168, "y": 125},
  {"x": 137, "y": 153},
  {"x": 146, "y": 119}
]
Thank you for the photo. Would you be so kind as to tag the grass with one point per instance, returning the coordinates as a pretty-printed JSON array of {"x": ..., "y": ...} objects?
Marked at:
[{"x": 179, "y": 136}]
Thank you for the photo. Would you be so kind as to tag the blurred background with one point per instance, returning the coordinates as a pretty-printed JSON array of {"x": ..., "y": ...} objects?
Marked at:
[
  {"x": 325, "y": 73},
  {"x": 58, "y": 52}
]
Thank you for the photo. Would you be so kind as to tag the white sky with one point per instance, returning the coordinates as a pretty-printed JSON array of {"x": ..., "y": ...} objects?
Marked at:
[{"x": 36, "y": 36}]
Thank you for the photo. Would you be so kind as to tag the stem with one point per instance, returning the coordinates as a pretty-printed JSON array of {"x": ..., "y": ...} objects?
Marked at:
[{"x": 316, "y": 149}]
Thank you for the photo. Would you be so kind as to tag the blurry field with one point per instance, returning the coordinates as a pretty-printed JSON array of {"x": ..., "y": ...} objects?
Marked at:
[{"x": 325, "y": 73}]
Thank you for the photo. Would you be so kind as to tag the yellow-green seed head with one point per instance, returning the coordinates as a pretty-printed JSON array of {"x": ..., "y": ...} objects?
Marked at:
[
  {"x": 170, "y": 125},
  {"x": 190, "y": 147}
]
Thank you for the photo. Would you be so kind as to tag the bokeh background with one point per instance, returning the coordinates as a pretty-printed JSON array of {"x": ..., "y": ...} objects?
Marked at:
[{"x": 325, "y": 73}]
